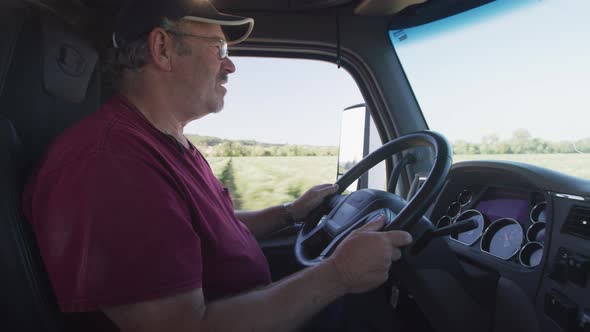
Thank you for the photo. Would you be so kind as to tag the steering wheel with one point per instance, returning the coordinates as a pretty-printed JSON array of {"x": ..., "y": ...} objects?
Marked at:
[{"x": 340, "y": 214}]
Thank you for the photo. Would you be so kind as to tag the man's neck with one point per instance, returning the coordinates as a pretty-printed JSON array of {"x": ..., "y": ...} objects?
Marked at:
[{"x": 159, "y": 113}]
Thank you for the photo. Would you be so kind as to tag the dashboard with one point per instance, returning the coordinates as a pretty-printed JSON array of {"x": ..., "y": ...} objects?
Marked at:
[
  {"x": 532, "y": 235},
  {"x": 511, "y": 223}
]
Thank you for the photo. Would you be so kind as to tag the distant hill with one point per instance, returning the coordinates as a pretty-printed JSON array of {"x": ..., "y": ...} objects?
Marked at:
[{"x": 220, "y": 147}]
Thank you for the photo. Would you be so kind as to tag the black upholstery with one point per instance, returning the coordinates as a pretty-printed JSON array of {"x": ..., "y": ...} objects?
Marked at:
[
  {"x": 26, "y": 301},
  {"x": 32, "y": 113},
  {"x": 37, "y": 114}
]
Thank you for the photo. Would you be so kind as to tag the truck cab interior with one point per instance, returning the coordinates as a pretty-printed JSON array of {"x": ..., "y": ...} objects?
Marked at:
[{"x": 536, "y": 280}]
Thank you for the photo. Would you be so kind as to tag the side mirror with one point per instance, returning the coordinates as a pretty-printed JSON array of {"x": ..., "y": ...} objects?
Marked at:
[{"x": 358, "y": 138}]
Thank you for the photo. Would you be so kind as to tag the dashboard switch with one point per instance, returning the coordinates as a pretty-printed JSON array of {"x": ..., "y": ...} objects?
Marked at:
[
  {"x": 562, "y": 310},
  {"x": 578, "y": 268},
  {"x": 560, "y": 266},
  {"x": 571, "y": 267},
  {"x": 559, "y": 272}
]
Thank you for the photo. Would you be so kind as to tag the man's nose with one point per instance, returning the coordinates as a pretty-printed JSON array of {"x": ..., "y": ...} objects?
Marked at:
[{"x": 228, "y": 66}]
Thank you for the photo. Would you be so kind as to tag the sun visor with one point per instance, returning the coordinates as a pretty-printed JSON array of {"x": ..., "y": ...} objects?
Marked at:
[
  {"x": 384, "y": 7},
  {"x": 430, "y": 11},
  {"x": 68, "y": 61}
]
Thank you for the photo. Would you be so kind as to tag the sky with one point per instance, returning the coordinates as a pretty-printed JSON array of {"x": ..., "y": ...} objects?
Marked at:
[
  {"x": 530, "y": 57},
  {"x": 508, "y": 65},
  {"x": 282, "y": 101}
]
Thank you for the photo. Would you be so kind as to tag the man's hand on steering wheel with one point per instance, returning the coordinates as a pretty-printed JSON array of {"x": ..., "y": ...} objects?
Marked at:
[
  {"x": 310, "y": 200},
  {"x": 363, "y": 259}
]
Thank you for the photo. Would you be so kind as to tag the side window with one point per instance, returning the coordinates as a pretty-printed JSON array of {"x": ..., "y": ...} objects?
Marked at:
[{"x": 279, "y": 131}]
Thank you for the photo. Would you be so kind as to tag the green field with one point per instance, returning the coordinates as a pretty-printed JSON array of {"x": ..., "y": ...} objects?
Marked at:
[
  {"x": 265, "y": 181},
  {"x": 260, "y": 182}
]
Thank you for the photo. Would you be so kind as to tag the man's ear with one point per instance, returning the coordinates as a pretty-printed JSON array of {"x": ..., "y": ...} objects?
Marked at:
[{"x": 161, "y": 49}]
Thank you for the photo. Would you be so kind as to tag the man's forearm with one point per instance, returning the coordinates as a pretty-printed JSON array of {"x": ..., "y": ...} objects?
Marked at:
[
  {"x": 264, "y": 222},
  {"x": 281, "y": 306}
]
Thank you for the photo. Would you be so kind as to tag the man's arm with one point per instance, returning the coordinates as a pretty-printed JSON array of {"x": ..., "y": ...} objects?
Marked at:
[
  {"x": 264, "y": 222},
  {"x": 278, "y": 307},
  {"x": 360, "y": 263}
]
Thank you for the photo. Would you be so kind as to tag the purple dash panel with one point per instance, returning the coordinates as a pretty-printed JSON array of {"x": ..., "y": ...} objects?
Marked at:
[{"x": 502, "y": 203}]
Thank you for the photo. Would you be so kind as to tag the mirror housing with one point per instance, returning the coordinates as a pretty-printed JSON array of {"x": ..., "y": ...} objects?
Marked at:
[{"x": 358, "y": 138}]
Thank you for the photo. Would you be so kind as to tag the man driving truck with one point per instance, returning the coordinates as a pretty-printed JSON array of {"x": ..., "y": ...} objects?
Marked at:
[{"x": 135, "y": 231}]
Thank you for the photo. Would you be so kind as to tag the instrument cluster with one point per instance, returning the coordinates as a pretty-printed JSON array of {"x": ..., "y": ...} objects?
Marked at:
[{"x": 511, "y": 224}]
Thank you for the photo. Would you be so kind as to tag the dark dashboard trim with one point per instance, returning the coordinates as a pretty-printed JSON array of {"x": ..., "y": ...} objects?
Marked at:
[{"x": 546, "y": 179}]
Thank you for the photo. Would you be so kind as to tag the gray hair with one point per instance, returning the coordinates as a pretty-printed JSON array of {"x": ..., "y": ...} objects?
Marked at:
[{"x": 135, "y": 55}]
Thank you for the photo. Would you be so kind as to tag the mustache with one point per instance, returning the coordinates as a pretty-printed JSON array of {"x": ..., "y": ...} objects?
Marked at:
[{"x": 223, "y": 78}]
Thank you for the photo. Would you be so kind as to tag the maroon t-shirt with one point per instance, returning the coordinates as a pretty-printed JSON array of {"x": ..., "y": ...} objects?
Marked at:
[{"x": 122, "y": 213}]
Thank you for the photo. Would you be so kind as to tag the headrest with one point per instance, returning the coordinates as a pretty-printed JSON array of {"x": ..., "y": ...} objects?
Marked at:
[{"x": 69, "y": 61}]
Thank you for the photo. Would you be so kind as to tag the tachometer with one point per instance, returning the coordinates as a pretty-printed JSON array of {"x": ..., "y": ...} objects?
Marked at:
[
  {"x": 503, "y": 238},
  {"x": 470, "y": 237}
]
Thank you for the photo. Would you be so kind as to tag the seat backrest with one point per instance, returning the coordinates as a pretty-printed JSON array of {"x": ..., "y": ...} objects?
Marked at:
[{"x": 48, "y": 82}]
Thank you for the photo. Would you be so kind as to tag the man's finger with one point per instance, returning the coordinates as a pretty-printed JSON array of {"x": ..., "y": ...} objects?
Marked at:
[
  {"x": 329, "y": 190},
  {"x": 322, "y": 186},
  {"x": 373, "y": 225},
  {"x": 399, "y": 238},
  {"x": 396, "y": 254}
]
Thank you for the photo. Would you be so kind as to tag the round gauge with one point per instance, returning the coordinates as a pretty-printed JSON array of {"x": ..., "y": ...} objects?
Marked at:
[
  {"x": 539, "y": 212},
  {"x": 465, "y": 197},
  {"x": 503, "y": 238},
  {"x": 444, "y": 221},
  {"x": 531, "y": 254},
  {"x": 536, "y": 233},
  {"x": 454, "y": 210},
  {"x": 470, "y": 237}
]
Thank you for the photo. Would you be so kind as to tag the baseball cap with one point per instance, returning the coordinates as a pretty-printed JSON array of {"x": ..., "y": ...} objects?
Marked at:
[{"x": 139, "y": 17}]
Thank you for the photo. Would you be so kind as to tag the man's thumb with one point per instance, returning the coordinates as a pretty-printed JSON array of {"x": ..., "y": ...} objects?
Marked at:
[
  {"x": 328, "y": 190},
  {"x": 375, "y": 224}
]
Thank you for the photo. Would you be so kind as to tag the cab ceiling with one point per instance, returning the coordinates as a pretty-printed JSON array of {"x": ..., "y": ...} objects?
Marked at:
[
  {"x": 359, "y": 7},
  {"x": 244, "y": 5}
]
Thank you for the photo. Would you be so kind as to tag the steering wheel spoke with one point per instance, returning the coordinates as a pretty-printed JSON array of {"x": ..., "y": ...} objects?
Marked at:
[{"x": 317, "y": 231}]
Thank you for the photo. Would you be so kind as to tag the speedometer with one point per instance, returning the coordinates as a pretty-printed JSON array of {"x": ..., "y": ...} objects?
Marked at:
[{"x": 503, "y": 238}]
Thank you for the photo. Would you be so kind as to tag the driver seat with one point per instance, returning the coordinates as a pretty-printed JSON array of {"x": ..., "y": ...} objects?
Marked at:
[{"x": 47, "y": 82}]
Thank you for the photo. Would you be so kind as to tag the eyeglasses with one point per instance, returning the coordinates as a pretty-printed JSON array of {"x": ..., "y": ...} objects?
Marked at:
[{"x": 223, "y": 52}]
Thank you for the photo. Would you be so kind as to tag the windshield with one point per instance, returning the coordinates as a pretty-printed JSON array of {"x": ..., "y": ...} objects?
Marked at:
[{"x": 509, "y": 80}]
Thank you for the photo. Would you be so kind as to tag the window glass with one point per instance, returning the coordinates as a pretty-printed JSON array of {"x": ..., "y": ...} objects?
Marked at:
[
  {"x": 278, "y": 133},
  {"x": 508, "y": 80}
]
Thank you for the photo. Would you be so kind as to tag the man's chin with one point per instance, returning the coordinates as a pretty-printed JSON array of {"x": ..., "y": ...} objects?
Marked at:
[{"x": 217, "y": 108}]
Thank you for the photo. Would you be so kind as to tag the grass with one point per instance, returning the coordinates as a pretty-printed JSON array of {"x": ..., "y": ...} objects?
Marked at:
[
  {"x": 265, "y": 181},
  {"x": 261, "y": 182}
]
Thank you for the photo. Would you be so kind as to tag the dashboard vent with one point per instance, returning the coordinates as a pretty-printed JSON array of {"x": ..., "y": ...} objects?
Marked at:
[{"x": 578, "y": 222}]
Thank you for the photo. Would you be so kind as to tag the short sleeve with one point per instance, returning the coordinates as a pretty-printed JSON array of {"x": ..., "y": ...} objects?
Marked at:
[{"x": 114, "y": 230}]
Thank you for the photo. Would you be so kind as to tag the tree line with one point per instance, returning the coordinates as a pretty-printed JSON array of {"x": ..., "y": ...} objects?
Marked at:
[
  {"x": 217, "y": 147},
  {"x": 521, "y": 142}
]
